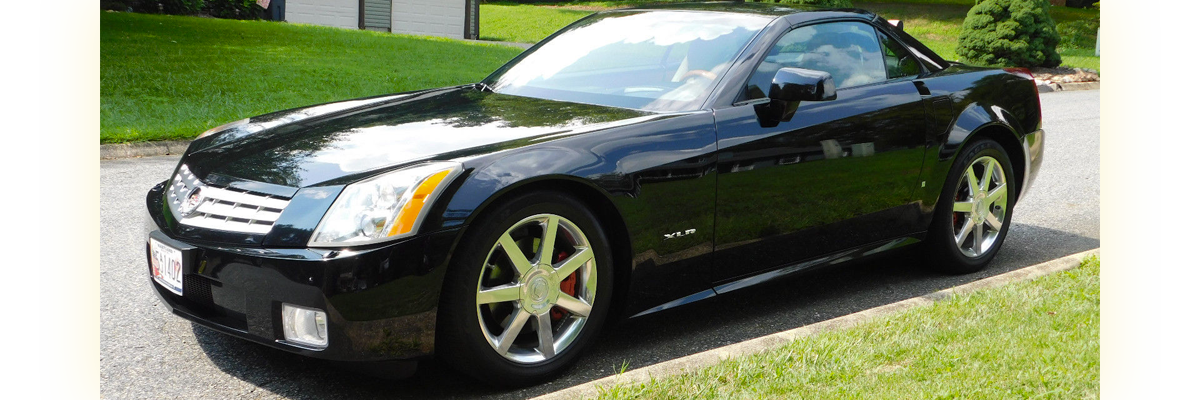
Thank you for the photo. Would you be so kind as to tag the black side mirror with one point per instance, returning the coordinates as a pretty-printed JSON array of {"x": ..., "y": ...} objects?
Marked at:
[{"x": 791, "y": 86}]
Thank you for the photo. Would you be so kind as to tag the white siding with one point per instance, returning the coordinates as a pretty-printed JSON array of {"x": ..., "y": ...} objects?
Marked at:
[
  {"x": 335, "y": 13},
  {"x": 427, "y": 17}
]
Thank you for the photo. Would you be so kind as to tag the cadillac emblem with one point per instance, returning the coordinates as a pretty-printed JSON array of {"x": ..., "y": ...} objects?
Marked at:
[{"x": 191, "y": 202}]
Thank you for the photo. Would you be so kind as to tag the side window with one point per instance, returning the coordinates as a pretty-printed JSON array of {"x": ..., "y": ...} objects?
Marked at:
[
  {"x": 849, "y": 51},
  {"x": 897, "y": 59}
]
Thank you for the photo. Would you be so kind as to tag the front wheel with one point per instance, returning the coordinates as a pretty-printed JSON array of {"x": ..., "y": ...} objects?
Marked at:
[
  {"x": 528, "y": 293},
  {"x": 974, "y": 211}
]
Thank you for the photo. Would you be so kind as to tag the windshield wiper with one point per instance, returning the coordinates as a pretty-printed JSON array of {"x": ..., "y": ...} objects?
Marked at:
[{"x": 483, "y": 87}]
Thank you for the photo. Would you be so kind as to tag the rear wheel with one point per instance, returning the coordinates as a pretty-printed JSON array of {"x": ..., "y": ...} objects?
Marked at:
[
  {"x": 528, "y": 292},
  {"x": 974, "y": 211}
]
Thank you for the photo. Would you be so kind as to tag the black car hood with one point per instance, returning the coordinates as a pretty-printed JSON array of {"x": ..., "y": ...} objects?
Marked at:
[{"x": 346, "y": 140}]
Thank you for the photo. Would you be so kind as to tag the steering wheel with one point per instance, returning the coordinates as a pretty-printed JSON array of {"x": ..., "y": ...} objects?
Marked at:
[{"x": 701, "y": 73}]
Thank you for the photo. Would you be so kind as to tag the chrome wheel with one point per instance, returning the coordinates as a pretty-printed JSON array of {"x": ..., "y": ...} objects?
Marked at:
[
  {"x": 980, "y": 207},
  {"x": 536, "y": 288}
]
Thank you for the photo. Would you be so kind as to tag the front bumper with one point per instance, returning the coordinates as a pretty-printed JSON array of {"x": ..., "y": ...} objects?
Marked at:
[{"x": 381, "y": 301}]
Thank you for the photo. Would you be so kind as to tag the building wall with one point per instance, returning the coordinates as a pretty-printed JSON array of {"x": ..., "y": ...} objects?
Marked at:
[
  {"x": 335, "y": 13},
  {"x": 428, "y": 17}
]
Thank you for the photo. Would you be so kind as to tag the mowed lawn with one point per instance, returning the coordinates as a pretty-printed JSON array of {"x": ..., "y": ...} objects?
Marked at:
[
  {"x": 937, "y": 23},
  {"x": 1038, "y": 339},
  {"x": 170, "y": 77}
]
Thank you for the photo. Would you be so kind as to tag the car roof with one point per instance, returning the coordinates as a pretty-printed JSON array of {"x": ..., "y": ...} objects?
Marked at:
[{"x": 795, "y": 13}]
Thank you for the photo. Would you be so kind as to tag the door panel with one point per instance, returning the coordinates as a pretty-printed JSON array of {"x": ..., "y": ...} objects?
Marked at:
[{"x": 840, "y": 173}]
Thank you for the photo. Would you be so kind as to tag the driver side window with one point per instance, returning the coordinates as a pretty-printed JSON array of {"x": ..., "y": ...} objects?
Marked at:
[{"x": 849, "y": 51}]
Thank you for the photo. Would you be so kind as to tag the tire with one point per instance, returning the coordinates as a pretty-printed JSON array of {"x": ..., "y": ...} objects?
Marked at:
[
  {"x": 563, "y": 294},
  {"x": 964, "y": 236}
]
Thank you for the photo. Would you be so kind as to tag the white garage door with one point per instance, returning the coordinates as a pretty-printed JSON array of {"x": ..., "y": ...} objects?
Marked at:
[
  {"x": 336, "y": 13},
  {"x": 428, "y": 17}
]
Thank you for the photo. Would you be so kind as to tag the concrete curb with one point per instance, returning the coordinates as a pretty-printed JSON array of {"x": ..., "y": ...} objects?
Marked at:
[
  {"x": 143, "y": 149},
  {"x": 1063, "y": 87},
  {"x": 712, "y": 357}
]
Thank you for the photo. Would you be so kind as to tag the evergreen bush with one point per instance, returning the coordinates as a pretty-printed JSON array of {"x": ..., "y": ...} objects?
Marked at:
[{"x": 1013, "y": 33}]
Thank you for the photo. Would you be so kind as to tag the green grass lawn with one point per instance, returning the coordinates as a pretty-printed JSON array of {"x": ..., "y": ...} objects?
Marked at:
[
  {"x": 1035, "y": 339},
  {"x": 937, "y": 23},
  {"x": 168, "y": 77},
  {"x": 523, "y": 23}
]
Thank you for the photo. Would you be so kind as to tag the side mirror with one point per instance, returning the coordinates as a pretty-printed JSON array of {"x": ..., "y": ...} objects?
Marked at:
[
  {"x": 798, "y": 84},
  {"x": 791, "y": 86}
]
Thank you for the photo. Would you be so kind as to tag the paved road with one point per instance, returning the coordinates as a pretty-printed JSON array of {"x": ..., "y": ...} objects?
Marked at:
[{"x": 147, "y": 352}]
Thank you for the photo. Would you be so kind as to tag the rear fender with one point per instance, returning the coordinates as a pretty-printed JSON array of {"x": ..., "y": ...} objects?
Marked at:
[{"x": 975, "y": 121}]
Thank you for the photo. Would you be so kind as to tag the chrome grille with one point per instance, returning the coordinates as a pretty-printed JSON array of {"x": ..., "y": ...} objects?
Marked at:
[{"x": 222, "y": 209}]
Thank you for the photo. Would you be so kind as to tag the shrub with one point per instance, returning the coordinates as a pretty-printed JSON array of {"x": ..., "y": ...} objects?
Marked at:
[
  {"x": 816, "y": 3},
  {"x": 118, "y": 5},
  {"x": 179, "y": 7},
  {"x": 235, "y": 9},
  {"x": 175, "y": 7},
  {"x": 1017, "y": 33}
]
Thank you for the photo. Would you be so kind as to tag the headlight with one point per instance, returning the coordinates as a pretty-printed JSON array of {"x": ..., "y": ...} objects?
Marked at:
[
  {"x": 223, "y": 127},
  {"x": 385, "y": 207}
]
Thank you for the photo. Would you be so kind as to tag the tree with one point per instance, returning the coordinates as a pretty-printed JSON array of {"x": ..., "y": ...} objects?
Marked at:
[{"x": 1010, "y": 33}]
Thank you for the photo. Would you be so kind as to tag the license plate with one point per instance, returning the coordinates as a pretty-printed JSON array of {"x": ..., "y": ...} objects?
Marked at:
[{"x": 166, "y": 263}]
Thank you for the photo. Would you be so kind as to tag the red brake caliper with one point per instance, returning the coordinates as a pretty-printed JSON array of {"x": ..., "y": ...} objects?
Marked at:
[{"x": 567, "y": 286}]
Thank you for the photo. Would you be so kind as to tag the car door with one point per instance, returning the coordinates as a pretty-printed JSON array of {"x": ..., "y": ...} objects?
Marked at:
[{"x": 840, "y": 173}]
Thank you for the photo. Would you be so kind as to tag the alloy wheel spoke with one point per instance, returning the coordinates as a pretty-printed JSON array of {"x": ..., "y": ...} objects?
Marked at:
[
  {"x": 978, "y": 242},
  {"x": 966, "y": 230},
  {"x": 499, "y": 294},
  {"x": 964, "y": 206},
  {"x": 515, "y": 254},
  {"x": 996, "y": 194},
  {"x": 582, "y": 256},
  {"x": 546, "y": 252},
  {"x": 993, "y": 222},
  {"x": 545, "y": 335},
  {"x": 512, "y": 330},
  {"x": 972, "y": 181},
  {"x": 988, "y": 170},
  {"x": 574, "y": 305}
]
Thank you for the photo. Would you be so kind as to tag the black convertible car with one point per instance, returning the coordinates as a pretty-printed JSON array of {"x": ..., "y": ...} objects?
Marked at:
[{"x": 637, "y": 160}]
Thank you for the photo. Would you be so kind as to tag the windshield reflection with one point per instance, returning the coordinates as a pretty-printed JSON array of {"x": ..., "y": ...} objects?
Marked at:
[{"x": 649, "y": 60}]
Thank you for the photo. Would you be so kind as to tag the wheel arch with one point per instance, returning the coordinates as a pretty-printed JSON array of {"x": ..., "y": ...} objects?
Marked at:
[
  {"x": 977, "y": 122},
  {"x": 597, "y": 201},
  {"x": 1012, "y": 147}
]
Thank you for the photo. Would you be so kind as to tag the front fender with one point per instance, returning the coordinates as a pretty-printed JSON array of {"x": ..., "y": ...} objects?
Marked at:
[
  {"x": 488, "y": 183},
  {"x": 645, "y": 181}
]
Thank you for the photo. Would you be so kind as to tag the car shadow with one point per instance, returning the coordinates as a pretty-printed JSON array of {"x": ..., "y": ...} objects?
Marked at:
[{"x": 788, "y": 303}]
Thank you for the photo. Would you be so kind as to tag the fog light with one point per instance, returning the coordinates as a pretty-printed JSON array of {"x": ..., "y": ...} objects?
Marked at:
[{"x": 305, "y": 326}]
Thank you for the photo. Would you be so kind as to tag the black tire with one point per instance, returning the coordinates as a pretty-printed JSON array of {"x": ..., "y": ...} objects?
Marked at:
[
  {"x": 464, "y": 324},
  {"x": 946, "y": 254}
]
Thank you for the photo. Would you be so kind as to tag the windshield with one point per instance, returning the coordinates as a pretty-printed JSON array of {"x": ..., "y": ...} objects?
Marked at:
[{"x": 647, "y": 60}]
